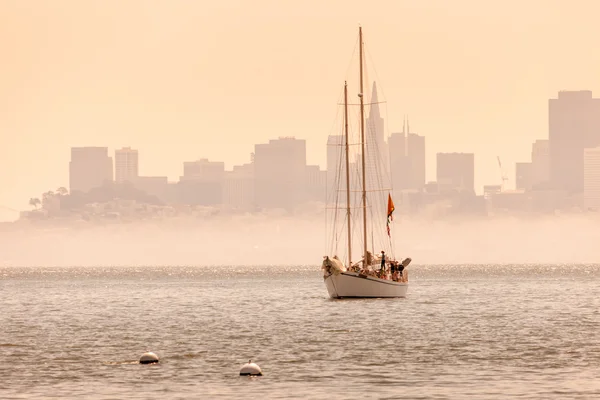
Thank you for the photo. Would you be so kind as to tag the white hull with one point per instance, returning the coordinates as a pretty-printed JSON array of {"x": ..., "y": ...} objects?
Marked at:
[{"x": 352, "y": 284}]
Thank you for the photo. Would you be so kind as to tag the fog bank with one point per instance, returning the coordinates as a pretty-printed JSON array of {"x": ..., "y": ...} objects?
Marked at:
[{"x": 247, "y": 240}]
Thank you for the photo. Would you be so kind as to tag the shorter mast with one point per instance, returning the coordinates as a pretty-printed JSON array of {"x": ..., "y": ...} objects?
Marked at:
[{"x": 347, "y": 173}]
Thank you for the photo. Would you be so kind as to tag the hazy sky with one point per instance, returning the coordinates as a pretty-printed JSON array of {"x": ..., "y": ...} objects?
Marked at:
[{"x": 180, "y": 80}]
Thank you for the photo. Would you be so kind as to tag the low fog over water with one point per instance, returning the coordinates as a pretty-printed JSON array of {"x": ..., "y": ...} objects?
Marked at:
[{"x": 261, "y": 240}]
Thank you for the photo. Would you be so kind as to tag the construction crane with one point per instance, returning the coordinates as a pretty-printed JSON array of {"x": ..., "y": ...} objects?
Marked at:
[{"x": 502, "y": 174}]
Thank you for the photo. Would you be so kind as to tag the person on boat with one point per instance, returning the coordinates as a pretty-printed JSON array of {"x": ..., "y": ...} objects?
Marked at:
[
  {"x": 382, "y": 260},
  {"x": 400, "y": 271}
]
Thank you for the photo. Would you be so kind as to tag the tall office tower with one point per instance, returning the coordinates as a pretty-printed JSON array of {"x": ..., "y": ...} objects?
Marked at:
[
  {"x": 238, "y": 188},
  {"x": 280, "y": 173},
  {"x": 574, "y": 124},
  {"x": 336, "y": 165},
  {"x": 456, "y": 171},
  {"x": 524, "y": 175},
  {"x": 399, "y": 162},
  {"x": 126, "y": 165},
  {"x": 377, "y": 169},
  {"x": 591, "y": 179},
  {"x": 202, "y": 182},
  {"x": 415, "y": 150},
  {"x": 89, "y": 168},
  {"x": 540, "y": 163}
]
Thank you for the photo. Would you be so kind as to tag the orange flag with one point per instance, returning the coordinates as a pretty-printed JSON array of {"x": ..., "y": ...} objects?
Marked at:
[
  {"x": 390, "y": 207},
  {"x": 390, "y": 210}
]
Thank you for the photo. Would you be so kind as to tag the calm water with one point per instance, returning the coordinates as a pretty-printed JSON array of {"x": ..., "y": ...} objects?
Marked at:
[{"x": 481, "y": 332}]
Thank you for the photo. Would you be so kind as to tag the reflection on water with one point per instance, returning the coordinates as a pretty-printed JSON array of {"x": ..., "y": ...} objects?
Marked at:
[{"x": 463, "y": 331}]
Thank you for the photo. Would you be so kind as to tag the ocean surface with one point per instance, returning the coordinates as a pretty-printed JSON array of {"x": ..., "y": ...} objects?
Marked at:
[{"x": 474, "y": 331}]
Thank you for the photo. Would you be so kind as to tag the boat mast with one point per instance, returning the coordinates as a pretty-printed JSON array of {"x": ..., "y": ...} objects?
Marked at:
[
  {"x": 362, "y": 140},
  {"x": 347, "y": 174}
]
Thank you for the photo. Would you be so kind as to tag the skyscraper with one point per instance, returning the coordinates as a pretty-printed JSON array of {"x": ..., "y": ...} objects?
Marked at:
[
  {"x": 591, "y": 179},
  {"x": 540, "y": 163},
  {"x": 315, "y": 183},
  {"x": 336, "y": 165},
  {"x": 202, "y": 182},
  {"x": 524, "y": 175},
  {"x": 399, "y": 161},
  {"x": 238, "y": 188},
  {"x": 415, "y": 150},
  {"x": 377, "y": 166},
  {"x": 203, "y": 170},
  {"x": 280, "y": 173},
  {"x": 89, "y": 168},
  {"x": 456, "y": 171},
  {"x": 574, "y": 124},
  {"x": 126, "y": 165},
  {"x": 376, "y": 153}
]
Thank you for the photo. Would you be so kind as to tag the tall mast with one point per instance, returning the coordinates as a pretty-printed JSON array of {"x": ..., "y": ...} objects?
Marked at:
[
  {"x": 362, "y": 140},
  {"x": 347, "y": 174}
]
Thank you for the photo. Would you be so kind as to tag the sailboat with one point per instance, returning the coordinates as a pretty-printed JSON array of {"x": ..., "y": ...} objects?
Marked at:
[{"x": 372, "y": 276}]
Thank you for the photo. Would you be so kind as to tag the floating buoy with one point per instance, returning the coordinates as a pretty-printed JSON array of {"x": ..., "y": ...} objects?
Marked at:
[
  {"x": 250, "y": 369},
  {"x": 148, "y": 358}
]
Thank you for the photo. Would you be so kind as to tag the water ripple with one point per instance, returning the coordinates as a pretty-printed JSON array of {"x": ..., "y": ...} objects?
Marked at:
[{"x": 464, "y": 331}]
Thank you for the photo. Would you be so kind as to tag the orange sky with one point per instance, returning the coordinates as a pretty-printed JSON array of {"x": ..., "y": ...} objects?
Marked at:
[{"x": 180, "y": 80}]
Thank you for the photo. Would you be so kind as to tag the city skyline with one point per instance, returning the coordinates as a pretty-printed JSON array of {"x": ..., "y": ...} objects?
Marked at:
[
  {"x": 279, "y": 176},
  {"x": 562, "y": 173},
  {"x": 111, "y": 75}
]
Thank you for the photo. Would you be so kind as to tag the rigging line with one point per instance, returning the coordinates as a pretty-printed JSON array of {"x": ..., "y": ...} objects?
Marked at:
[
  {"x": 390, "y": 155},
  {"x": 378, "y": 163},
  {"x": 338, "y": 234},
  {"x": 386, "y": 127},
  {"x": 356, "y": 182},
  {"x": 366, "y": 50},
  {"x": 338, "y": 178},
  {"x": 327, "y": 199},
  {"x": 352, "y": 208},
  {"x": 371, "y": 190},
  {"x": 352, "y": 57},
  {"x": 328, "y": 246},
  {"x": 392, "y": 223},
  {"x": 326, "y": 224},
  {"x": 374, "y": 153},
  {"x": 375, "y": 164},
  {"x": 335, "y": 120},
  {"x": 343, "y": 145},
  {"x": 381, "y": 89},
  {"x": 366, "y": 104}
]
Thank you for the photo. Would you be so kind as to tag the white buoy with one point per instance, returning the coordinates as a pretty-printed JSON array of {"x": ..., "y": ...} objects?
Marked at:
[
  {"x": 250, "y": 369},
  {"x": 148, "y": 358}
]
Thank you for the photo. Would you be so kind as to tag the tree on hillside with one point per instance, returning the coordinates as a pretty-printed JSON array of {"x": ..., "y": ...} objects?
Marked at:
[
  {"x": 34, "y": 202},
  {"x": 49, "y": 194},
  {"x": 107, "y": 192}
]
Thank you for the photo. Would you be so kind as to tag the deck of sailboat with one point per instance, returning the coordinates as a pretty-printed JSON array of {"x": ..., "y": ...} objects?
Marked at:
[{"x": 373, "y": 278}]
